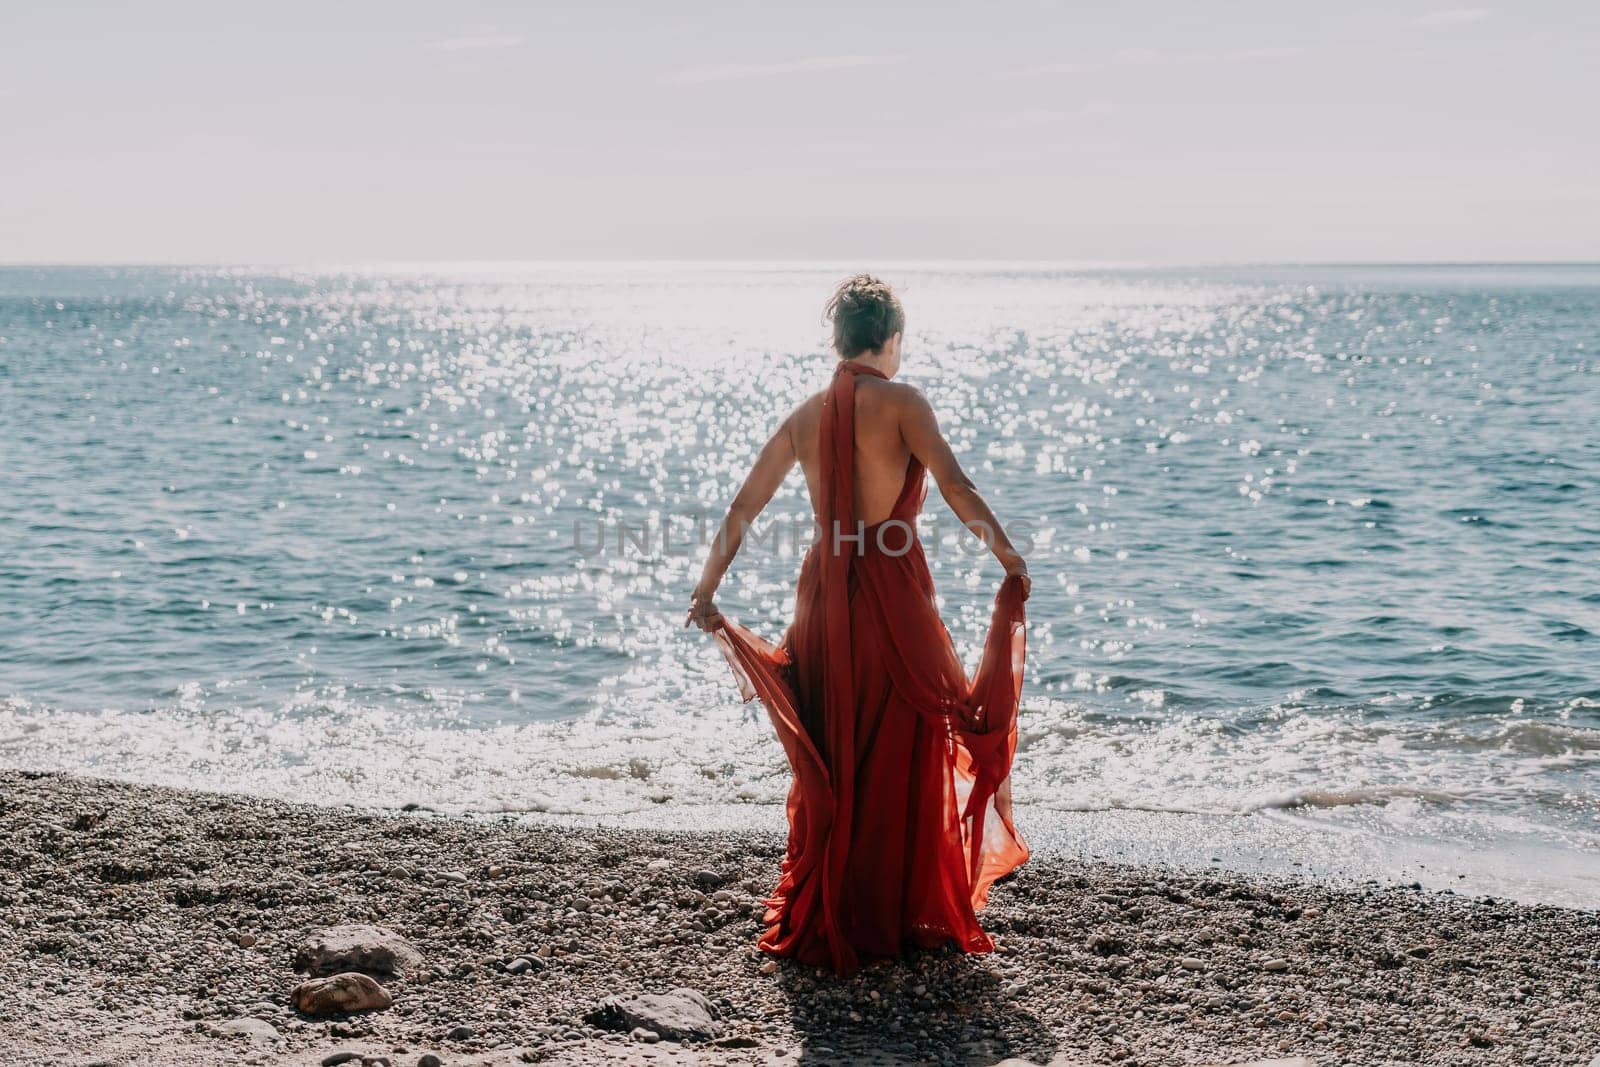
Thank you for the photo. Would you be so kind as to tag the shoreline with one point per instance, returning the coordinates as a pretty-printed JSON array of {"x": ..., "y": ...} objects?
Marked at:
[
  {"x": 146, "y": 924},
  {"x": 1298, "y": 842},
  {"x": 1270, "y": 844}
]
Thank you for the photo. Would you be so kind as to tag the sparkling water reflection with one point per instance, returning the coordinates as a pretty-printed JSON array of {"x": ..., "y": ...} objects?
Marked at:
[{"x": 1319, "y": 539}]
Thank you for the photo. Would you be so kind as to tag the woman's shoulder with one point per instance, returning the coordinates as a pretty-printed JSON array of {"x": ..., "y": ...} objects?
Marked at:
[
  {"x": 804, "y": 420},
  {"x": 897, "y": 398},
  {"x": 883, "y": 390}
]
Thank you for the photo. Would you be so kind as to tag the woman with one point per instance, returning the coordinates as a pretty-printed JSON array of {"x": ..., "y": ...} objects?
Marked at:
[{"x": 900, "y": 814}]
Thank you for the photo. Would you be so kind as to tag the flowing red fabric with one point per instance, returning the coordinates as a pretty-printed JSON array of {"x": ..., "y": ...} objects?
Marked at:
[{"x": 900, "y": 811}]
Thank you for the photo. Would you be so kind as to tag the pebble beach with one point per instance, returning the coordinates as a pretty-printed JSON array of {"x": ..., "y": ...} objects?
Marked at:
[{"x": 151, "y": 926}]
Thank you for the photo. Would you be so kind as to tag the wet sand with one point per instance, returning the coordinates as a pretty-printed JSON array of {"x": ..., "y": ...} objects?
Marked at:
[{"x": 151, "y": 926}]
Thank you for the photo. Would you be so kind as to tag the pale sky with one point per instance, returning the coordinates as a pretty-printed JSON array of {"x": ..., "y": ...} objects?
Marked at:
[{"x": 1157, "y": 132}]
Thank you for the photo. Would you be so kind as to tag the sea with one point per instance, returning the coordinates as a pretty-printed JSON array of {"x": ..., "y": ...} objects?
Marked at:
[{"x": 1315, "y": 549}]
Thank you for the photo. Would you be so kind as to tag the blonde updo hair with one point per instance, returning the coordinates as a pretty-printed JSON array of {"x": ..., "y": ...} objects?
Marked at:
[{"x": 865, "y": 313}]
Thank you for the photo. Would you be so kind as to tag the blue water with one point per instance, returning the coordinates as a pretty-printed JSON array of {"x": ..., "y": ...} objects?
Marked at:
[{"x": 1320, "y": 541}]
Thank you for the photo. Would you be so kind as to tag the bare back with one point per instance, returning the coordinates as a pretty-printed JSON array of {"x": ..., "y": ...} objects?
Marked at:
[
  {"x": 882, "y": 453},
  {"x": 893, "y": 424}
]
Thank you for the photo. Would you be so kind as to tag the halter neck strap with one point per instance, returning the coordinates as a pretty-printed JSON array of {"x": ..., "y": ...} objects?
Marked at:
[{"x": 850, "y": 366}]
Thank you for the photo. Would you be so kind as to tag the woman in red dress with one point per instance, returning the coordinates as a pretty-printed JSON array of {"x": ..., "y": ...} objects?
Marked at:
[{"x": 900, "y": 812}]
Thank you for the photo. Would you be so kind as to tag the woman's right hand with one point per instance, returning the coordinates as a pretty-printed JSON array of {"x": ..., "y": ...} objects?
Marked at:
[
  {"x": 703, "y": 612},
  {"x": 1019, "y": 567}
]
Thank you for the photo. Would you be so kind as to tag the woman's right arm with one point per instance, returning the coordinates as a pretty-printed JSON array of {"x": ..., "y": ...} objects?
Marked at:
[
  {"x": 772, "y": 466},
  {"x": 920, "y": 428}
]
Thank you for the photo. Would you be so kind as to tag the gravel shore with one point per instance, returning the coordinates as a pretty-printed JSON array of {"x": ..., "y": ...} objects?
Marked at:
[{"x": 152, "y": 926}]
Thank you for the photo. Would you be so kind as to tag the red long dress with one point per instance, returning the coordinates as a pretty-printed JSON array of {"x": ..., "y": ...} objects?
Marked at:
[{"x": 900, "y": 811}]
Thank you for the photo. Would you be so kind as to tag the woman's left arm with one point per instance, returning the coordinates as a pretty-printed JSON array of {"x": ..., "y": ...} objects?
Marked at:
[{"x": 772, "y": 466}]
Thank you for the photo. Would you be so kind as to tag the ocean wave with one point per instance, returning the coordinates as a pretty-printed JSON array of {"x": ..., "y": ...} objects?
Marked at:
[{"x": 1314, "y": 797}]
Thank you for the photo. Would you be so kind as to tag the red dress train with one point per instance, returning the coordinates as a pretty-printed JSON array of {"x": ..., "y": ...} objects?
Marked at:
[{"x": 900, "y": 811}]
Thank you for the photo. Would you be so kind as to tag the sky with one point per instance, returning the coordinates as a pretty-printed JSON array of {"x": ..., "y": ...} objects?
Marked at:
[{"x": 1143, "y": 131}]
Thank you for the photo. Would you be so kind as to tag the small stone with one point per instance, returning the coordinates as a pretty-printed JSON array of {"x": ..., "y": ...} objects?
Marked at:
[
  {"x": 1275, "y": 966},
  {"x": 333, "y": 1059},
  {"x": 245, "y": 940},
  {"x": 341, "y": 993},
  {"x": 428, "y": 1059},
  {"x": 1192, "y": 963},
  {"x": 768, "y": 967},
  {"x": 521, "y": 965},
  {"x": 643, "y": 1036},
  {"x": 450, "y": 878},
  {"x": 708, "y": 878},
  {"x": 250, "y": 1029},
  {"x": 370, "y": 949},
  {"x": 681, "y": 1015},
  {"x": 496, "y": 871},
  {"x": 459, "y": 1033},
  {"x": 1106, "y": 944}
]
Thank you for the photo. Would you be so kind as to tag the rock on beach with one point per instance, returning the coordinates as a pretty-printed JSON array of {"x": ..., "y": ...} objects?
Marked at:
[
  {"x": 369, "y": 949},
  {"x": 340, "y": 994},
  {"x": 681, "y": 1015},
  {"x": 249, "y": 1029}
]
